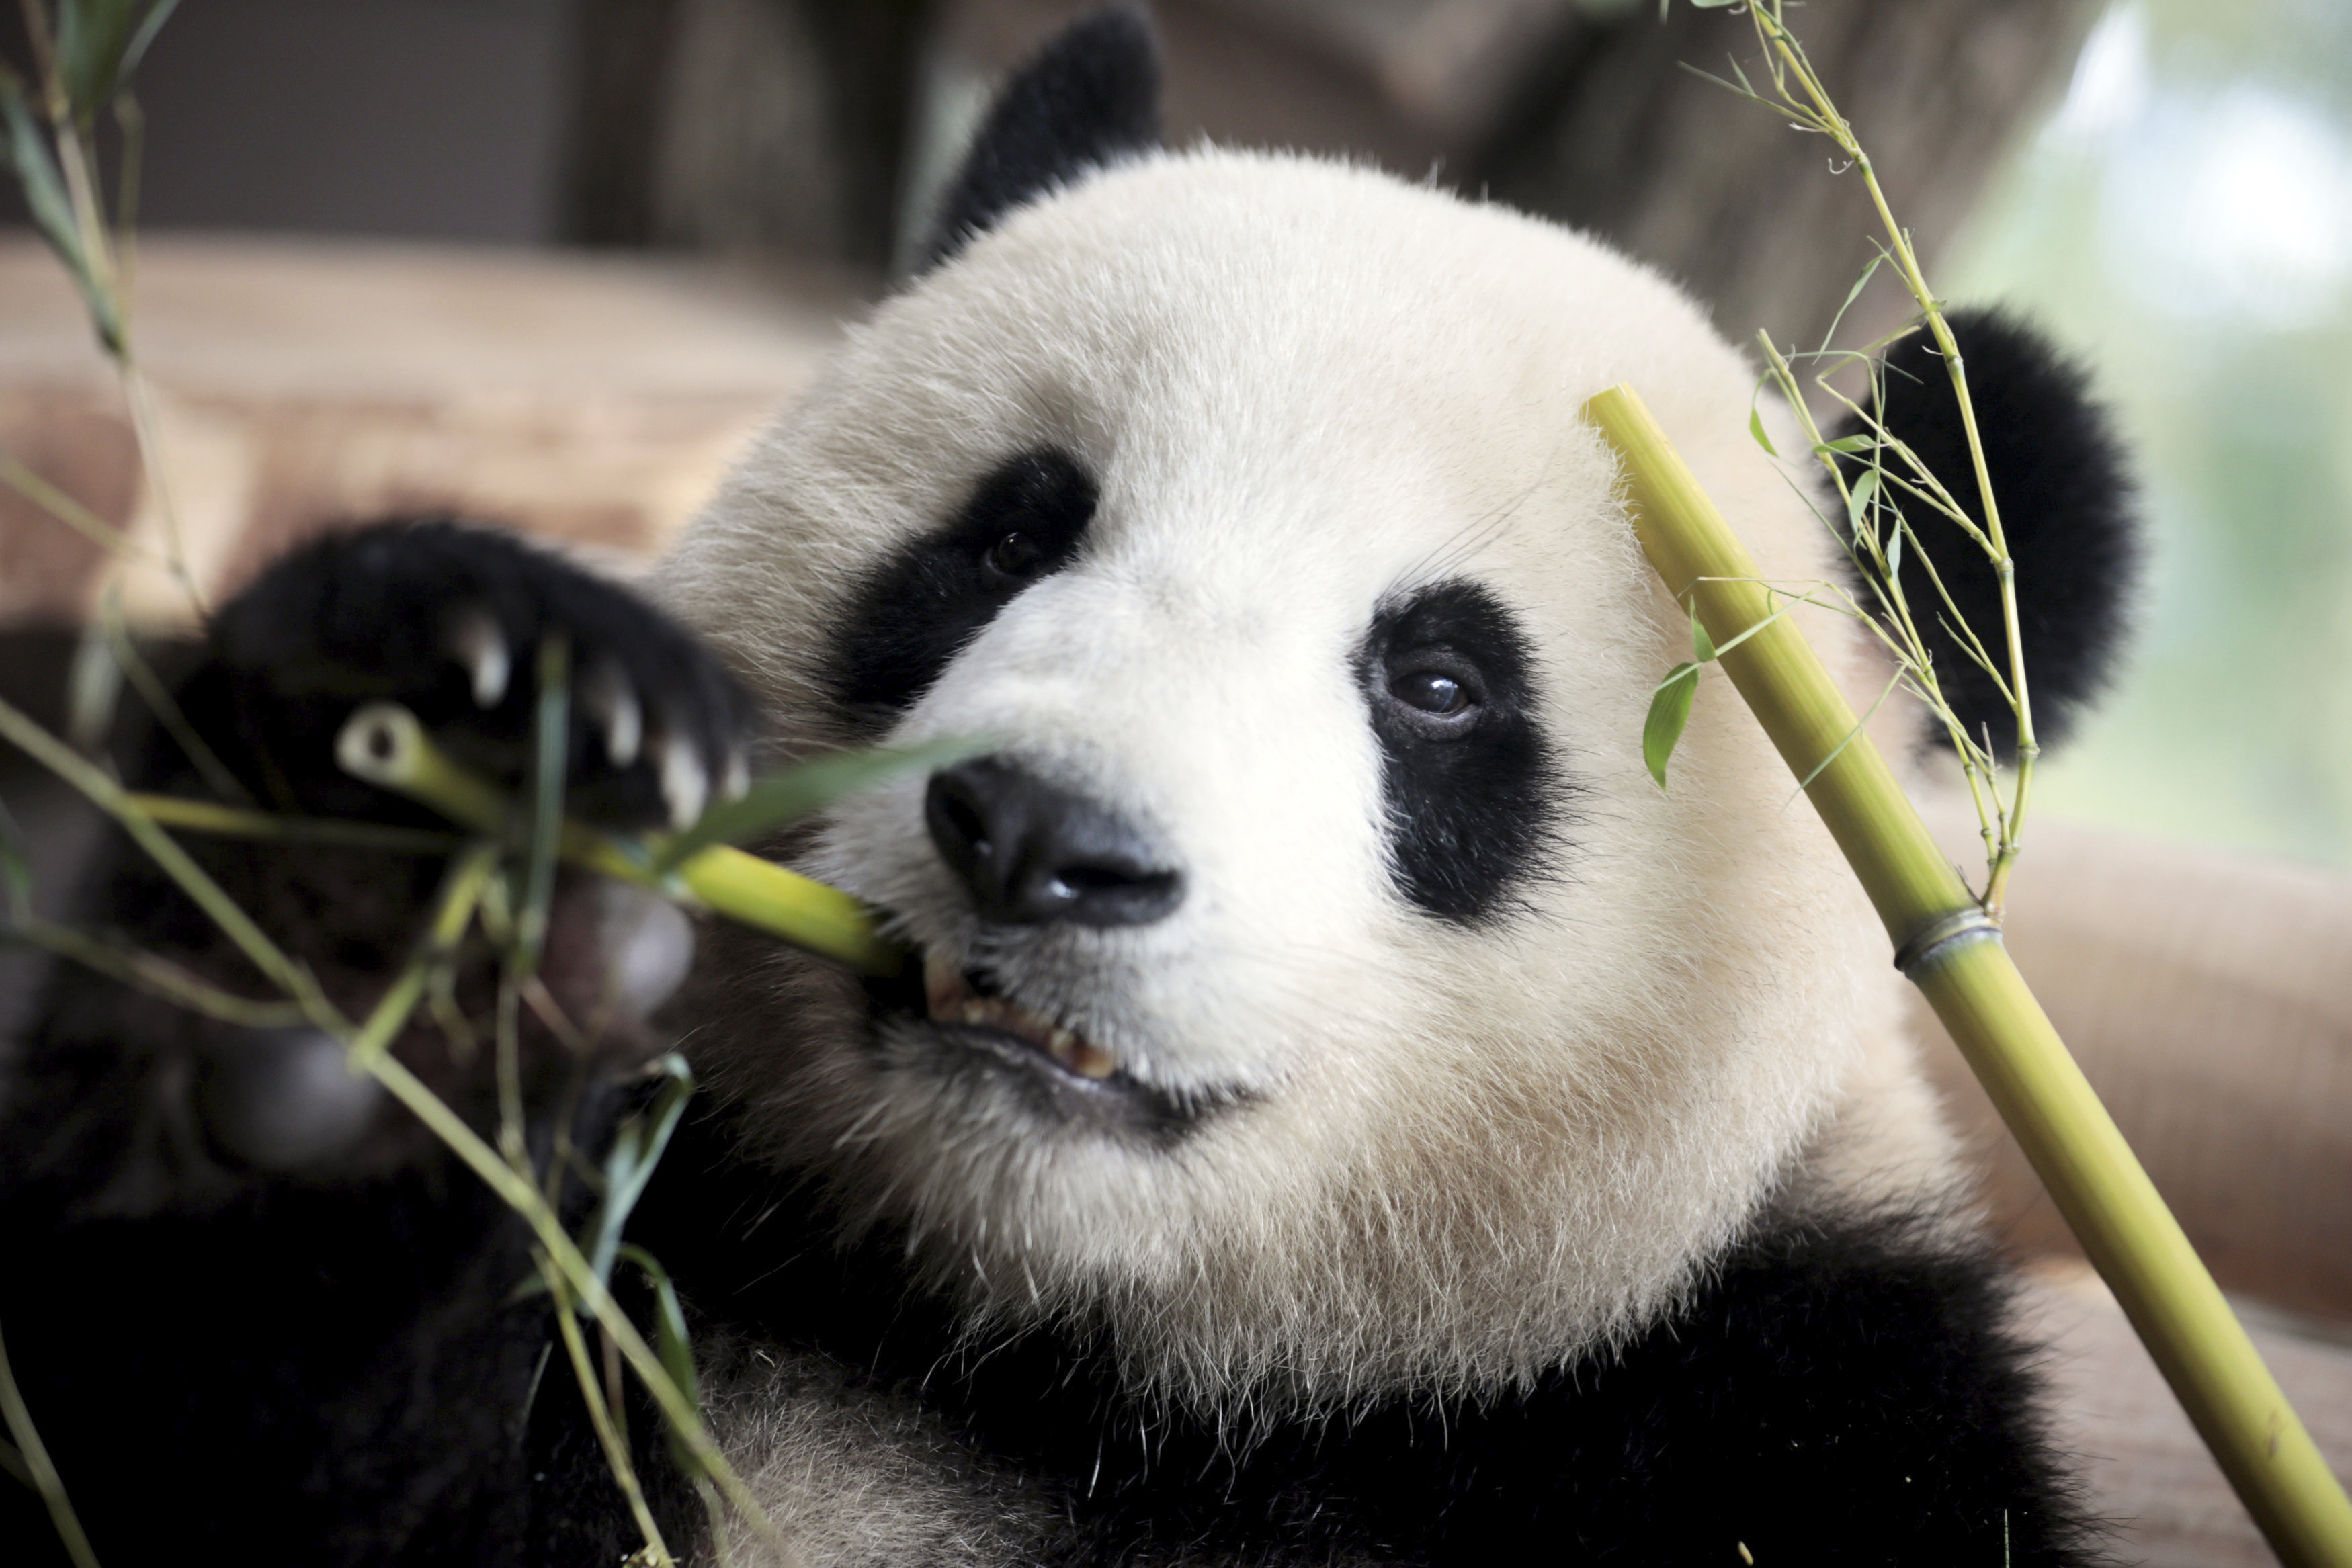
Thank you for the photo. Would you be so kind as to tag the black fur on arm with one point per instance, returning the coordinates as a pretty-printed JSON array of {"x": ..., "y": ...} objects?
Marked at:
[
  {"x": 2066, "y": 507},
  {"x": 1842, "y": 1389},
  {"x": 1088, "y": 97}
]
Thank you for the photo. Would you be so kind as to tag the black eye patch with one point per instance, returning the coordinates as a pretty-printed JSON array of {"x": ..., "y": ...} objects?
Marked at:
[
  {"x": 919, "y": 608},
  {"x": 1472, "y": 791}
]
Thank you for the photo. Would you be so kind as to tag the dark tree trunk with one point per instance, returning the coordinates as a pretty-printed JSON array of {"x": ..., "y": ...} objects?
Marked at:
[
  {"x": 772, "y": 126},
  {"x": 1616, "y": 136},
  {"x": 783, "y": 124}
]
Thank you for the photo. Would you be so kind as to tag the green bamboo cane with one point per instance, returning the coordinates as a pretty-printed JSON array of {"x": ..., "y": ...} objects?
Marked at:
[
  {"x": 1948, "y": 947},
  {"x": 384, "y": 744}
]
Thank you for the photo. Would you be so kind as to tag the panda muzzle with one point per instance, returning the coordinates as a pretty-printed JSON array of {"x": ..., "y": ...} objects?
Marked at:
[{"x": 957, "y": 998}]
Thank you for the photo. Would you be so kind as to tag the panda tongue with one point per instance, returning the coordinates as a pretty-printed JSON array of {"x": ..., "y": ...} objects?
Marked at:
[{"x": 952, "y": 1000}]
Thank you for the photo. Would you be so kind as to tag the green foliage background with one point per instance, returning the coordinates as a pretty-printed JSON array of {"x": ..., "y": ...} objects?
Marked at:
[{"x": 2184, "y": 218}]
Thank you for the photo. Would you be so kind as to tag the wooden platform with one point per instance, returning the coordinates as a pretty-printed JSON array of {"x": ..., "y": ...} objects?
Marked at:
[{"x": 305, "y": 383}]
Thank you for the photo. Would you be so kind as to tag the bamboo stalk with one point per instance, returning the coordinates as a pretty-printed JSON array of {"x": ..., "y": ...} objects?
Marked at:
[
  {"x": 1953, "y": 952},
  {"x": 383, "y": 744}
]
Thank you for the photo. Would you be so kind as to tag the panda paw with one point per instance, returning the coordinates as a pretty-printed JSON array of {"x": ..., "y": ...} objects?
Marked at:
[
  {"x": 450, "y": 621},
  {"x": 131, "y": 1102}
]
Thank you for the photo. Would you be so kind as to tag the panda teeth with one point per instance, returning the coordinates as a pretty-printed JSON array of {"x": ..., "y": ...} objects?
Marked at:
[
  {"x": 1082, "y": 1056},
  {"x": 943, "y": 985},
  {"x": 952, "y": 1000}
]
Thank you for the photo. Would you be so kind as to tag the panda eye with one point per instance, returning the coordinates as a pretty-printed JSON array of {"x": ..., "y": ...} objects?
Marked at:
[
  {"x": 1014, "y": 554},
  {"x": 1439, "y": 698},
  {"x": 1431, "y": 691}
]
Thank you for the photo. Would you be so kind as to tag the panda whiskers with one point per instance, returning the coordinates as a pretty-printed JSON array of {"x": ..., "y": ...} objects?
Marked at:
[{"x": 1447, "y": 556}]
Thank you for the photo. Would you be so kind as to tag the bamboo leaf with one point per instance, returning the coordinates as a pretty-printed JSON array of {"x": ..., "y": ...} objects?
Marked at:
[
  {"x": 1702, "y": 645},
  {"x": 1669, "y": 712},
  {"x": 1851, "y": 296},
  {"x": 636, "y": 1148},
  {"x": 673, "y": 1346},
  {"x": 797, "y": 791},
  {"x": 45, "y": 198},
  {"x": 1857, "y": 501},
  {"x": 1849, "y": 444},
  {"x": 100, "y": 43},
  {"x": 1756, "y": 429}
]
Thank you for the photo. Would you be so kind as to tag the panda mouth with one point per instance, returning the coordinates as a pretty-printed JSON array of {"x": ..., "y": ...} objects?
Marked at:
[
  {"x": 975, "y": 1026},
  {"x": 961, "y": 999}
]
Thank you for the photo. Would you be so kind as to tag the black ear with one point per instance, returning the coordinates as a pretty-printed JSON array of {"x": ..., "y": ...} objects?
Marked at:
[
  {"x": 2066, "y": 508},
  {"x": 1088, "y": 97}
]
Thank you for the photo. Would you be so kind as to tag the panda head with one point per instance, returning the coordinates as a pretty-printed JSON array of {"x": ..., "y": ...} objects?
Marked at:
[{"x": 1316, "y": 993}]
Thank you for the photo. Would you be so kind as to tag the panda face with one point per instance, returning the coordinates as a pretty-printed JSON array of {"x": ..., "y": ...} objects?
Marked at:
[{"x": 1315, "y": 989}]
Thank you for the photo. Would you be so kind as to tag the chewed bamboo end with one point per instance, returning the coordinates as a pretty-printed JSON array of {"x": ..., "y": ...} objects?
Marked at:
[{"x": 379, "y": 743}]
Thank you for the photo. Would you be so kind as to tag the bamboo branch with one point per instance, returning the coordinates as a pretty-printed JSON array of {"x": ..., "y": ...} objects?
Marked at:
[{"x": 1952, "y": 950}]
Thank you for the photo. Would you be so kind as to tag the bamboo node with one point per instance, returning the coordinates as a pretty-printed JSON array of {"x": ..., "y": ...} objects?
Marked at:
[{"x": 1941, "y": 937}]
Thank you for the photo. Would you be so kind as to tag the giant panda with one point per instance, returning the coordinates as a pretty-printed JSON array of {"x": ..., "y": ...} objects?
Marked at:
[{"x": 1343, "y": 1111}]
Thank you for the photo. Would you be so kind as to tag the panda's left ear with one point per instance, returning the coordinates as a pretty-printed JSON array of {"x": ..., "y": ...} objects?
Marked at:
[{"x": 1088, "y": 97}]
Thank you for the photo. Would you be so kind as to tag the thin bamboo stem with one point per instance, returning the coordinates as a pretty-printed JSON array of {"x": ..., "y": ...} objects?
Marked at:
[
  {"x": 1787, "y": 59},
  {"x": 522, "y": 1197},
  {"x": 36, "y": 1461},
  {"x": 164, "y": 706},
  {"x": 1975, "y": 988},
  {"x": 241, "y": 822},
  {"x": 43, "y": 1473},
  {"x": 110, "y": 797},
  {"x": 601, "y": 1405},
  {"x": 67, "y": 510},
  {"x": 156, "y": 976}
]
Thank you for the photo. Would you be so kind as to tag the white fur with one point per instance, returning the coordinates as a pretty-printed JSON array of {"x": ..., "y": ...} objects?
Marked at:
[
  {"x": 852, "y": 1477},
  {"x": 1460, "y": 1154}
]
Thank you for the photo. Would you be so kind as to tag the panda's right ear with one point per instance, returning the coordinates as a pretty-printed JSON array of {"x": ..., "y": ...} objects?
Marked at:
[
  {"x": 2062, "y": 480},
  {"x": 1088, "y": 97}
]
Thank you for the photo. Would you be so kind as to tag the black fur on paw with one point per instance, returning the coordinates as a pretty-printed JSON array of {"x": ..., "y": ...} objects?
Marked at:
[
  {"x": 2068, "y": 508},
  {"x": 448, "y": 619}
]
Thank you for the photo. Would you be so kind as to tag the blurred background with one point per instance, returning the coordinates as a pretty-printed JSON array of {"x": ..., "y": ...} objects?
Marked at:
[{"x": 2184, "y": 216}]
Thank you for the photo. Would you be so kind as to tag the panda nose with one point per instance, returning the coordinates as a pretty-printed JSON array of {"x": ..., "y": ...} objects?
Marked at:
[{"x": 1031, "y": 853}]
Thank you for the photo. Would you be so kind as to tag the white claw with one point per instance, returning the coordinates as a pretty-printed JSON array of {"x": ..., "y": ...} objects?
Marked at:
[
  {"x": 685, "y": 786},
  {"x": 738, "y": 782},
  {"x": 608, "y": 699},
  {"x": 476, "y": 641}
]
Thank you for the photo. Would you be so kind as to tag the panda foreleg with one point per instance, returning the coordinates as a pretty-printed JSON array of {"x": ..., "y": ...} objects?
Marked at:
[{"x": 252, "y": 1302}]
